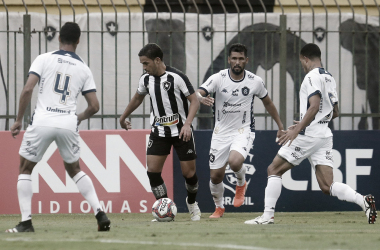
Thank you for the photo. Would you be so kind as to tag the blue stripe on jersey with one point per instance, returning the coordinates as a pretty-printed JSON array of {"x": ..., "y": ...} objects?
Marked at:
[
  {"x": 34, "y": 73},
  {"x": 88, "y": 91},
  {"x": 317, "y": 92},
  {"x": 68, "y": 54},
  {"x": 205, "y": 90},
  {"x": 252, "y": 126}
]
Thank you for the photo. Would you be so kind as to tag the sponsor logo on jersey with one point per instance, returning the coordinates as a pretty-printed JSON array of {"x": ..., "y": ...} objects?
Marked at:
[
  {"x": 213, "y": 150},
  {"x": 60, "y": 60},
  {"x": 251, "y": 77},
  {"x": 323, "y": 122},
  {"x": 223, "y": 74},
  {"x": 166, "y": 85},
  {"x": 227, "y": 104},
  {"x": 245, "y": 91},
  {"x": 167, "y": 120},
  {"x": 224, "y": 91},
  {"x": 57, "y": 110},
  {"x": 208, "y": 84},
  {"x": 244, "y": 116},
  {"x": 230, "y": 111},
  {"x": 321, "y": 105},
  {"x": 327, "y": 79},
  {"x": 235, "y": 92},
  {"x": 329, "y": 155}
]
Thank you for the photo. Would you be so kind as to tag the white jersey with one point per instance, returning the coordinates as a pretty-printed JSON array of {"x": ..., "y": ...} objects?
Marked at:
[
  {"x": 318, "y": 82},
  {"x": 233, "y": 111},
  {"x": 63, "y": 76}
]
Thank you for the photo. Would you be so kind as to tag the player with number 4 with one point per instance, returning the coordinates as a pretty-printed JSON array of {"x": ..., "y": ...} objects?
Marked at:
[{"x": 62, "y": 76}]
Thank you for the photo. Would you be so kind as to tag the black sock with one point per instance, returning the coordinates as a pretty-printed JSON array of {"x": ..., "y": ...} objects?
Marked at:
[
  {"x": 158, "y": 186},
  {"x": 192, "y": 188}
]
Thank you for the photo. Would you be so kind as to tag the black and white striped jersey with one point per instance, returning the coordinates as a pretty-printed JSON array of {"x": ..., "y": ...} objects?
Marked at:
[{"x": 169, "y": 105}]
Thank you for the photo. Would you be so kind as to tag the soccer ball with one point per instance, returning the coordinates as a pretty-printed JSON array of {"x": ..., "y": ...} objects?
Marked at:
[{"x": 164, "y": 210}]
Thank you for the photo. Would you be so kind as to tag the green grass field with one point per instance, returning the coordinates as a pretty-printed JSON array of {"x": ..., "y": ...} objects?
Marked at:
[{"x": 323, "y": 230}]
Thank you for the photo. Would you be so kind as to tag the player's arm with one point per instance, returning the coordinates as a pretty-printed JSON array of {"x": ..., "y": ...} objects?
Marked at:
[
  {"x": 313, "y": 109},
  {"x": 202, "y": 98},
  {"x": 335, "y": 111},
  {"x": 186, "y": 129},
  {"x": 135, "y": 102},
  {"x": 25, "y": 97},
  {"x": 92, "y": 107},
  {"x": 269, "y": 106}
]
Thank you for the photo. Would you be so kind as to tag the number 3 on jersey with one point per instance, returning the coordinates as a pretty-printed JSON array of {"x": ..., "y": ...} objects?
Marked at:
[{"x": 63, "y": 92}]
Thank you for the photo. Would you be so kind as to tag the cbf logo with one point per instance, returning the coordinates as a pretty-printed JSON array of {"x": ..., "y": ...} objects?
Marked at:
[
  {"x": 166, "y": 85},
  {"x": 231, "y": 181}
]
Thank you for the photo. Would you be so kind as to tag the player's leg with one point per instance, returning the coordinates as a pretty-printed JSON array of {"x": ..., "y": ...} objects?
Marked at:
[
  {"x": 69, "y": 148},
  {"x": 34, "y": 144},
  {"x": 235, "y": 160},
  {"x": 323, "y": 161},
  {"x": 217, "y": 190},
  {"x": 157, "y": 152},
  {"x": 239, "y": 150},
  {"x": 155, "y": 165},
  {"x": 219, "y": 151},
  {"x": 287, "y": 158},
  {"x": 187, "y": 154}
]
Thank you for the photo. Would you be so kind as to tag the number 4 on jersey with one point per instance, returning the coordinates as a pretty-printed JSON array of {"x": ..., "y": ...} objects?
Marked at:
[{"x": 63, "y": 92}]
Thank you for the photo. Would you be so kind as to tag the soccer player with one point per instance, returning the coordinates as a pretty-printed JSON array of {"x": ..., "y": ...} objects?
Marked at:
[
  {"x": 311, "y": 138},
  {"x": 234, "y": 132},
  {"x": 62, "y": 76},
  {"x": 170, "y": 118}
]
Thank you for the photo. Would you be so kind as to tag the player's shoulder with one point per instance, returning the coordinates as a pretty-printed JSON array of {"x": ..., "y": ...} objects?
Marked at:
[
  {"x": 143, "y": 76},
  {"x": 177, "y": 72},
  {"x": 252, "y": 77}
]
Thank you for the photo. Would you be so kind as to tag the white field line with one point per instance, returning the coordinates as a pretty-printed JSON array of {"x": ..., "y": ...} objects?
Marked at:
[{"x": 217, "y": 246}]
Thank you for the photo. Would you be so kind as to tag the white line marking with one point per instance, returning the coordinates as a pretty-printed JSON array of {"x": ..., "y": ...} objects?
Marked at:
[{"x": 227, "y": 246}]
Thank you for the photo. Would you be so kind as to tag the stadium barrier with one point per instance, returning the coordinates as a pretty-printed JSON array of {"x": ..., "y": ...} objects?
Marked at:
[{"x": 116, "y": 162}]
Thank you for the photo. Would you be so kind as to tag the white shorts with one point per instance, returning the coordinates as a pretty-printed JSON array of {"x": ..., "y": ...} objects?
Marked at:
[
  {"x": 317, "y": 150},
  {"x": 37, "y": 139},
  {"x": 221, "y": 147}
]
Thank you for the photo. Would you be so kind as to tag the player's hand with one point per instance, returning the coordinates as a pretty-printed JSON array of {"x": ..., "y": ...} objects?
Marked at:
[
  {"x": 207, "y": 100},
  {"x": 288, "y": 136},
  {"x": 16, "y": 128},
  {"x": 280, "y": 133},
  {"x": 294, "y": 125},
  {"x": 185, "y": 133},
  {"x": 125, "y": 124}
]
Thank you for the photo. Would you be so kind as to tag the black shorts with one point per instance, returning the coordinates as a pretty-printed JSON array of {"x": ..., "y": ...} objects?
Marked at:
[{"x": 161, "y": 146}]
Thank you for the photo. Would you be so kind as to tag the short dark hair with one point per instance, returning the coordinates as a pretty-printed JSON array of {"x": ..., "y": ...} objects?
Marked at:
[
  {"x": 311, "y": 51},
  {"x": 152, "y": 51},
  {"x": 70, "y": 33},
  {"x": 238, "y": 47}
]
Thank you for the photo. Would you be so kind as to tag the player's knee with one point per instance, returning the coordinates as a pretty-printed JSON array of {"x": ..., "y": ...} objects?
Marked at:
[{"x": 216, "y": 179}]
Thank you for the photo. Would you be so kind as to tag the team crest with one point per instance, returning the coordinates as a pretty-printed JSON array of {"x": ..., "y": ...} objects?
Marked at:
[
  {"x": 166, "y": 85},
  {"x": 245, "y": 91}
]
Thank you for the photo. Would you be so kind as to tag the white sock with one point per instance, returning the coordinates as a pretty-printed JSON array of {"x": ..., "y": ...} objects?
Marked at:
[
  {"x": 240, "y": 175},
  {"x": 25, "y": 193},
  {"x": 86, "y": 188},
  {"x": 346, "y": 193},
  {"x": 272, "y": 193},
  {"x": 217, "y": 191}
]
